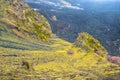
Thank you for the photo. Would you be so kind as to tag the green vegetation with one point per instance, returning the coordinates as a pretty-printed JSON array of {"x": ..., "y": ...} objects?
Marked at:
[
  {"x": 29, "y": 52},
  {"x": 25, "y": 19},
  {"x": 90, "y": 44},
  {"x": 55, "y": 63}
]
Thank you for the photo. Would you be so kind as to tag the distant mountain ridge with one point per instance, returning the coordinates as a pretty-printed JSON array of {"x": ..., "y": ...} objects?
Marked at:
[{"x": 101, "y": 19}]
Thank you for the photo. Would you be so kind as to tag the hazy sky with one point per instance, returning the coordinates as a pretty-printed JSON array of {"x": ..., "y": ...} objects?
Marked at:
[{"x": 102, "y": 0}]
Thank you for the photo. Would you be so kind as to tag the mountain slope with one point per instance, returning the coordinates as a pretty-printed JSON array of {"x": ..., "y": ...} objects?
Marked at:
[
  {"x": 30, "y": 53},
  {"x": 89, "y": 43},
  {"x": 101, "y": 19},
  {"x": 24, "y": 19}
]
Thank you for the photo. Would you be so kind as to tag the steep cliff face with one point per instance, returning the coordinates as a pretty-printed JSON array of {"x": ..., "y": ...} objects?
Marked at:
[{"x": 24, "y": 19}]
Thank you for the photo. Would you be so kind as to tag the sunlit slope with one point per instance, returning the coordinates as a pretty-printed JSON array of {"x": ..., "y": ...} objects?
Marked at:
[
  {"x": 8, "y": 39},
  {"x": 25, "y": 22},
  {"x": 88, "y": 43},
  {"x": 56, "y": 59},
  {"x": 26, "y": 37},
  {"x": 61, "y": 62}
]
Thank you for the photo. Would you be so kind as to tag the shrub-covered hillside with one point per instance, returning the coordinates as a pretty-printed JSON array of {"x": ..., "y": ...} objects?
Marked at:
[
  {"x": 24, "y": 19},
  {"x": 28, "y": 51},
  {"x": 90, "y": 44}
]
